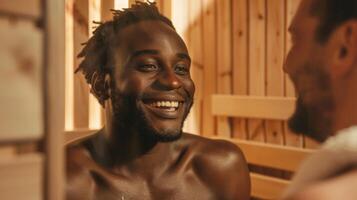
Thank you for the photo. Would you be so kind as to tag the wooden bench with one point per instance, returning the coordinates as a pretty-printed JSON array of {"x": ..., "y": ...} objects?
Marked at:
[{"x": 258, "y": 153}]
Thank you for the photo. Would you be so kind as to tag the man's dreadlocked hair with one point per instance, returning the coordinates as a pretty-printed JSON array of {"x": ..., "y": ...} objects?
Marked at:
[{"x": 98, "y": 50}]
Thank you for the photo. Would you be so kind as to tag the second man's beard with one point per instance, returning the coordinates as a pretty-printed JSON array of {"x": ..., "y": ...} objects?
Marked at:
[{"x": 315, "y": 120}]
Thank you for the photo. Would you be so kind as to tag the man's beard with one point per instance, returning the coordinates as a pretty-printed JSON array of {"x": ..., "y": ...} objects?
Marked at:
[
  {"x": 314, "y": 120},
  {"x": 128, "y": 115}
]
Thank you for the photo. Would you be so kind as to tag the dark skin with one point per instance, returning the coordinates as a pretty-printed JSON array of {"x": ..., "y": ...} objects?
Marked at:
[{"x": 121, "y": 162}]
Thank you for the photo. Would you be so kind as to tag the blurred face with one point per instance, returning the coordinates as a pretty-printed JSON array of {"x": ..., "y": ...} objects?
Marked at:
[
  {"x": 307, "y": 65},
  {"x": 152, "y": 90}
]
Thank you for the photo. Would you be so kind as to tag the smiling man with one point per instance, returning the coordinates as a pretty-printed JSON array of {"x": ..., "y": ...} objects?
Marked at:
[
  {"x": 322, "y": 64},
  {"x": 139, "y": 70}
]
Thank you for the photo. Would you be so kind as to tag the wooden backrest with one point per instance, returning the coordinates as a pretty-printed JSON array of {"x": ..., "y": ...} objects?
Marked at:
[
  {"x": 258, "y": 153},
  {"x": 272, "y": 156}
]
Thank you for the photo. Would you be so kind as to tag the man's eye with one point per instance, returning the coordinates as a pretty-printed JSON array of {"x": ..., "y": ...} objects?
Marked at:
[
  {"x": 181, "y": 69},
  {"x": 148, "y": 68}
]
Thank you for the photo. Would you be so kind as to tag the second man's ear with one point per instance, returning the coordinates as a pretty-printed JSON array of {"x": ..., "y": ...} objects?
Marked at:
[{"x": 346, "y": 54}]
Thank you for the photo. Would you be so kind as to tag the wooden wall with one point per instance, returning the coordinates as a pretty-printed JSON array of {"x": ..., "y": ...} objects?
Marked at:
[
  {"x": 31, "y": 99},
  {"x": 238, "y": 48}
]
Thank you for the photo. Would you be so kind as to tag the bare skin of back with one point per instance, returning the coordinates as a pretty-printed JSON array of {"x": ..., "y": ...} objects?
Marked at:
[{"x": 195, "y": 168}]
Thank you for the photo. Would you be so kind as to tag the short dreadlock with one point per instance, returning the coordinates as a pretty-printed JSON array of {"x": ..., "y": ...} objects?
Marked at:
[{"x": 98, "y": 50}]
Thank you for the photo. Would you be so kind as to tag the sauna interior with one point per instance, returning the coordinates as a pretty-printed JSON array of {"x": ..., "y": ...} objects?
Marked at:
[{"x": 242, "y": 94}]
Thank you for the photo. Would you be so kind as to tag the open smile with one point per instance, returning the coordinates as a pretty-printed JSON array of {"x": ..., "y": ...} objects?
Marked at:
[{"x": 168, "y": 109}]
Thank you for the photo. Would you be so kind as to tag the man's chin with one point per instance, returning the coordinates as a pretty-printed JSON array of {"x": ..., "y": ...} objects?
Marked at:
[
  {"x": 302, "y": 122},
  {"x": 164, "y": 135}
]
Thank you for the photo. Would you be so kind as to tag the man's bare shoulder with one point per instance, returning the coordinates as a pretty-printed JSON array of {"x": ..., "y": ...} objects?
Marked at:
[
  {"x": 221, "y": 164},
  {"x": 78, "y": 170}
]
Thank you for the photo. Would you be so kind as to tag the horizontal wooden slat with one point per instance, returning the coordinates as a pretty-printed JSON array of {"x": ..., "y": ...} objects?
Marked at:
[
  {"x": 270, "y": 155},
  {"x": 21, "y": 177},
  {"x": 265, "y": 187},
  {"x": 21, "y": 8},
  {"x": 279, "y": 108},
  {"x": 77, "y": 135}
]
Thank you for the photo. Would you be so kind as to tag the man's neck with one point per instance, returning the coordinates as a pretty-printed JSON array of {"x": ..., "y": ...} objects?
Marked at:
[
  {"x": 132, "y": 152},
  {"x": 346, "y": 103}
]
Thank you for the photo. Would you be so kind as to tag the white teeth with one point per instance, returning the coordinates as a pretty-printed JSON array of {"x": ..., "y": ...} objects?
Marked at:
[{"x": 172, "y": 105}]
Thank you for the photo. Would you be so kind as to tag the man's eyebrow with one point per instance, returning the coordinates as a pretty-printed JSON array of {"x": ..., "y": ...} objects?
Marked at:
[
  {"x": 145, "y": 51},
  {"x": 183, "y": 56}
]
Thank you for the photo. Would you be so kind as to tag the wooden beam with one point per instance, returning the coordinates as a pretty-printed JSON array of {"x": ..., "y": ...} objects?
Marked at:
[
  {"x": 257, "y": 64},
  {"x": 279, "y": 108},
  {"x": 209, "y": 65},
  {"x": 274, "y": 66},
  {"x": 266, "y": 187},
  {"x": 55, "y": 98},
  {"x": 271, "y": 155}
]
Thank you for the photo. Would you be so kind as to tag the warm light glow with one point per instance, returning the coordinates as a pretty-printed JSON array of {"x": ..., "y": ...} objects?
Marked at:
[
  {"x": 69, "y": 63},
  {"x": 119, "y": 4},
  {"x": 95, "y": 116}
]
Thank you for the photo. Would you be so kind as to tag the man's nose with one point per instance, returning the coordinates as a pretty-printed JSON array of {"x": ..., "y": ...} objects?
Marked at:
[{"x": 168, "y": 80}]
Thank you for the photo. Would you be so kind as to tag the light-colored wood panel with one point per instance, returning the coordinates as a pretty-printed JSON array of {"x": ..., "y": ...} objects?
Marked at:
[
  {"x": 266, "y": 187},
  {"x": 55, "y": 95},
  {"x": 21, "y": 55},
  {"x": 240, "y": 60},
  {"x": 257, "y": 31},
  {"x": 209, "y": 65},
  {"x": 271, "y": 155},
  {"x": 224, "y": 59},
  {"x": 279, "y": 108},
  {"x": 22, "y": 177},
  {"x": 81, "y": 32},
  {"x": 275, "y": 56},
  {"x": 27, "y": 9}
]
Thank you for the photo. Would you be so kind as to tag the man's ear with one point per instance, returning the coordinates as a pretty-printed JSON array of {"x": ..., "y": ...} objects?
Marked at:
[
  {"x": 345, "y": 49},
  {"x": 100, "y": 87}
]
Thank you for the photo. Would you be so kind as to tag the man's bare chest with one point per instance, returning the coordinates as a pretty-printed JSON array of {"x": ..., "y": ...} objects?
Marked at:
[{"x": 168, "y": 187}]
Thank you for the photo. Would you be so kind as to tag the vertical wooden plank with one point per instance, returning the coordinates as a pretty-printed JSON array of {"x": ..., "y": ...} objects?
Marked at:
[
  {"x": 257, "y": 31},
  {"x": 275, "y": 56},
  {"x": 80, "y": 86},
  {"x": 209, "y": 66},
  {"x": 106, "y": 6},
  {"x": 224, "y": 59},
  {"x": 196, "y": 48},
  {"x": 240, "y": 59},
  {"x": 95, "y": 113},
  {"x": 69, "y": 67},
  {"x": 291, "y": 139},
  {"x": 55, "y": 98}
]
